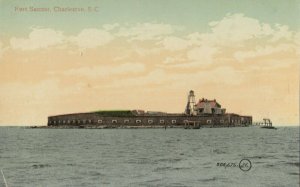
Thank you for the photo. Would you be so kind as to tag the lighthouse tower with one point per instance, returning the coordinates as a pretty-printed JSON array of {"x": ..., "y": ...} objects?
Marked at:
[{"x": 190, "y": 106}]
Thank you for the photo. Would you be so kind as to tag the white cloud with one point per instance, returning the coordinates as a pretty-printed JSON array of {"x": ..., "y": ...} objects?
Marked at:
[
  {"x": 236, "y": 28},
  {"x": 172, "y": 60},
  {"x": 263, "y": 51},
  {"x": 103, "y": 71},
  {"x": 220, "y": 75},
  {"x": 146, "y": 31},
  {"x": 266, "y": 29},
  {"x": 1, "y": 49},
  {"x": 297, "y": 38},
  {"x": 157, "y": 76},
  {"x": 202, "y": 54},
  {"x": 297, "y": 41},
  {"x": 196, "y": 57},
  {"x": 91, "y": 38},
  {"x": 146, "y": 51},
  {"x": 195, "y": 38},
  {"x": 38, "y": 38},
  {"x": 43, "y": 38},
  {"x": 270, "y": 64},
  {"x": 109, "y": 27},
  {"x": 174, "y": 43},
  {"x": 282, "y": 32}
]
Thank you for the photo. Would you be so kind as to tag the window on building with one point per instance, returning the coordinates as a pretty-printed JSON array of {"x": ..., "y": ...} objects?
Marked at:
[
  {"x": 161, "y": 121},
  {"x": 208, "y": 121},
  {"x": 114, "y": 121},
  {"x": 99, "y": 121},
  {"x": 173, "y": 121},
  {"x": 68, "y": 121},
  {"x": 150, "y": 121},
  {"x": 126, "y": 121},
  {"x": 138, "y": 121}
]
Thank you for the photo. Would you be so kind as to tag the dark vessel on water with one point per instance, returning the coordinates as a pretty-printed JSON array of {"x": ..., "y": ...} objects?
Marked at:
[
  {"x": 267, "y": 124},
  {"x": 204, "y": 113}
]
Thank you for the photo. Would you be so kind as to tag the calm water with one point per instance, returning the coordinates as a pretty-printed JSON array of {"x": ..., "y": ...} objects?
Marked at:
[{"x": 149, "y": 157}]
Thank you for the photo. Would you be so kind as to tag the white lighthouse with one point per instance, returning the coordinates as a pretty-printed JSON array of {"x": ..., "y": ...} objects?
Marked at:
[{"x": 190, "y": 107}]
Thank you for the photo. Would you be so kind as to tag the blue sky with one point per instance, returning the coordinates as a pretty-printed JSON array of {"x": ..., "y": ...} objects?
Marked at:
[{"x": 193, "y": 14}]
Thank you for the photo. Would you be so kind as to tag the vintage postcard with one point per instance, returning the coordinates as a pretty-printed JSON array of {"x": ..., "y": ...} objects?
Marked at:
[{"x": 149, "y": 93}]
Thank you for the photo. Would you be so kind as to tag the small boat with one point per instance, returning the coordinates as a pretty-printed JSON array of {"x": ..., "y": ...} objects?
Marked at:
[
  {"x": 267, "y": 124},
  {"x": 268, "y": 127}
]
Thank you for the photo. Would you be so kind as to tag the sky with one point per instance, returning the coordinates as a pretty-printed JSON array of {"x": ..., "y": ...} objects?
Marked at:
[{"x": 139, "y": 54}]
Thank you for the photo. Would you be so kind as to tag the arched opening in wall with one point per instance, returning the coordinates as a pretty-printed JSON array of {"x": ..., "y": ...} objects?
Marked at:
[
  {"x": 173, "y": 121},
  {"x": 161, "y": 121},
  {"x": 68, "y": 122},
  {"x": 73, "y": 121},
  {"x": 99, "y": 121},
  {"x": 114, "y": 121},
  {"x": 208, "y": 121},
  {"x": 150, "y": 121},
  {"x": 126, "y": 120},
  {"x": 78, "y": 121},
  {"x": 221, "y": 121},
  {"x": 138, "y": 121}
]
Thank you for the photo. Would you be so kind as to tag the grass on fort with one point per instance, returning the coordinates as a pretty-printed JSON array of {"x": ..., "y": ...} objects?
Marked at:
[{"x": 114, "y": 113}]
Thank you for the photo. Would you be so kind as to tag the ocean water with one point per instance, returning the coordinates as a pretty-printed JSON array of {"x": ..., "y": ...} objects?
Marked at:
[{"x": 149, "y": 157}]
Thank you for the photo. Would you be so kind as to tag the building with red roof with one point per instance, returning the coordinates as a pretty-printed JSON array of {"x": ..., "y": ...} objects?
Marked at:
[{"x": 205, "y": 106}]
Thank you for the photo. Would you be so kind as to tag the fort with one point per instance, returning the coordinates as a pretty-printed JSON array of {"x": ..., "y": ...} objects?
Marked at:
[{"x": 204, "y": 113}]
